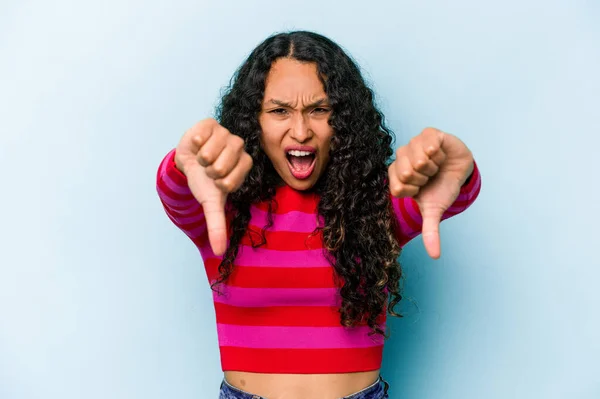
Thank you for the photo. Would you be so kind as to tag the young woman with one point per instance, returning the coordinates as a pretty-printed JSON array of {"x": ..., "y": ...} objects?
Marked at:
[{"x": 299, "y": 215}]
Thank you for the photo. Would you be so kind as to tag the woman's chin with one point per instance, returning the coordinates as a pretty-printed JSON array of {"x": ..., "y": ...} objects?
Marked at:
[{"x": 300, "y": 185}]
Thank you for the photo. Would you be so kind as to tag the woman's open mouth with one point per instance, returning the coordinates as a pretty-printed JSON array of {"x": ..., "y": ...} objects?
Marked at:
[{"x": 301, "y": 162}]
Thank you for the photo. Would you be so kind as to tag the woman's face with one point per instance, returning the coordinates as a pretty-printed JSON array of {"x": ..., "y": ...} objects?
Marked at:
[{"x": 294, "y": 121}]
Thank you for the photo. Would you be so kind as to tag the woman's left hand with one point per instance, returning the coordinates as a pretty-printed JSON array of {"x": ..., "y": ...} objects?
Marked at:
[{"x": 431, "y": 168}]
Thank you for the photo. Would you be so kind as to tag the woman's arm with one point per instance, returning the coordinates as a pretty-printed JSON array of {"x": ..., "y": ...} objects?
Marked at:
[
  {"x": 433, "y": 177},
  {"x": 178, "y": 201},
  {"x": 408, "y": 214},
  {"x": 194, "y": 180}
]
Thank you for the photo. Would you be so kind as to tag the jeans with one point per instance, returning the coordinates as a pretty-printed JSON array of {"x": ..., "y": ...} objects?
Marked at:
[{"x": 376, "y": 391}]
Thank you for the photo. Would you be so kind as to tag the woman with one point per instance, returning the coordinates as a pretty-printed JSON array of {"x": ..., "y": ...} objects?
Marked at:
[{"x": 299, "y": 217}]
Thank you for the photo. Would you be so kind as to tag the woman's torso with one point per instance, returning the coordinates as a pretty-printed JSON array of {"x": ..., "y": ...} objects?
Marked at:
[{"x": 278, "y": 321}]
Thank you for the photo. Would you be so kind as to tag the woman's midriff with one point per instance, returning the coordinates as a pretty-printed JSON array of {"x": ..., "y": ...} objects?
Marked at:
[{"x": 301, "y": 386}]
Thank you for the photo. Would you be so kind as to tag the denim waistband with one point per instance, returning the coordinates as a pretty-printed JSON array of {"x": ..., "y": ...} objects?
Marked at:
[{"x": 377, "y": 390}]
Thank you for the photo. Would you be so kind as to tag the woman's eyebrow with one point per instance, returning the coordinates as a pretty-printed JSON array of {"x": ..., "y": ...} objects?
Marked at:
[{"x": 281, "y": 103}]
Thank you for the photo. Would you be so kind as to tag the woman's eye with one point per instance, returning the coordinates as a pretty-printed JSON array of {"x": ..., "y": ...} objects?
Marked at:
[{"x": 278, "y": 111}]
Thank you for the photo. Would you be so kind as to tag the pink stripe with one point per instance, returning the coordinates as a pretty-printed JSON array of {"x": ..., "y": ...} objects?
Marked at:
[
  {"x": 165, "y": 162},
  {"x": 453, "y": 210},
  {"x": 260, "y": 257},
  {"x": 188, "y": 219},
  {"x": 292, "y": 221},
  {"x": 176, "y": 188},
  {"x": 191, "y": 233},
  {"x": 195, "y": 209},
  {"x": 463, "y": 196},
  {"x": 173, "y": 202},
  {"x": 263, "y": 297},
  {"x": 475, "y": 187},
  {"x": 296, "y": 337},
  {"x": 168, "y": 181}
]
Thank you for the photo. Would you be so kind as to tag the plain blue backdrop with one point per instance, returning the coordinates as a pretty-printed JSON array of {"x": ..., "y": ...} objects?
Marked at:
[{"x": 102, "y": 297}]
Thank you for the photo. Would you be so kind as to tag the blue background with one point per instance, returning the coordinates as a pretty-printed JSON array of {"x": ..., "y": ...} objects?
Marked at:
[{"x": 102, "y": 297}]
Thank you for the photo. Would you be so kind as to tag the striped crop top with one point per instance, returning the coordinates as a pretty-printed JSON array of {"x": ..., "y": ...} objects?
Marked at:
[{"x": 279, "y": 310}]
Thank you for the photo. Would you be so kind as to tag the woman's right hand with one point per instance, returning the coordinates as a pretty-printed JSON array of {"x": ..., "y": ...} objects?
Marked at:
[{"x": 215, "y": 164}]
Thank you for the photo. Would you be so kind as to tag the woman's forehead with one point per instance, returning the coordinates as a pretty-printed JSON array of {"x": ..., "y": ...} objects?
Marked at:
[{"x": 290, "y": 79}]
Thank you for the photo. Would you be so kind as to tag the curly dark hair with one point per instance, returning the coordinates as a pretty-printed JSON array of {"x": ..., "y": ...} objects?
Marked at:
[{"x": 359, "y": 224}]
